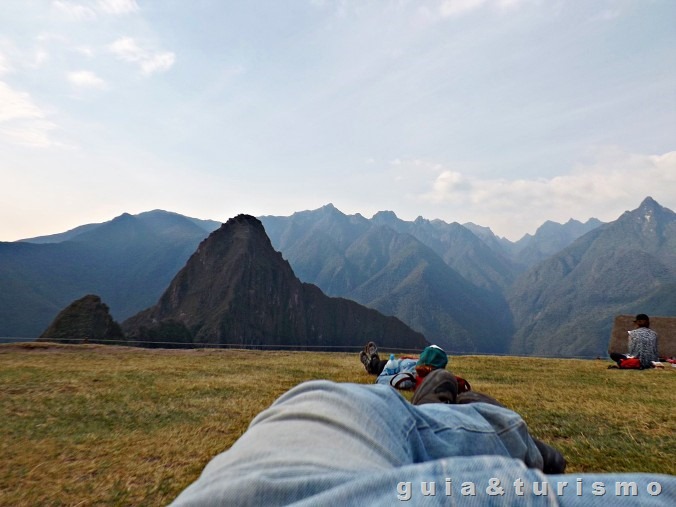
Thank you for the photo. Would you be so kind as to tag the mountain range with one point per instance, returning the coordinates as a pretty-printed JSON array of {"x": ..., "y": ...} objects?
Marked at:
[
  {"x": 382, "y": 264},
  {"x": 552, "y": 293},
  {"x": 624, "y": 267},
  {"x": 127, "y": 261},
  {"x": 236, "y": 289}
]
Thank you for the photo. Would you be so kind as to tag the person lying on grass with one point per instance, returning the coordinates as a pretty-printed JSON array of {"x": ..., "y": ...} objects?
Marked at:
[
  {"x": 327, "y": 443},
  {"x": 408, "y": 372}
]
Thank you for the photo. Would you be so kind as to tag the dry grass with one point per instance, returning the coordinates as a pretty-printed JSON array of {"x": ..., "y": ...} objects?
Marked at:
[{"x": 97, "y": 425}]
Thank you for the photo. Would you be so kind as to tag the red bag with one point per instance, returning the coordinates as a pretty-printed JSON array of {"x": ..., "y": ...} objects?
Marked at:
[
  {"x": 632, "y": 363},
  {"x": 463, "y": 385}
]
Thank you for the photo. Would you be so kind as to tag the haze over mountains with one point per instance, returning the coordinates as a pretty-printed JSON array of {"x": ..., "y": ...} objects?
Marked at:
[{"x": 553, "y": 293}]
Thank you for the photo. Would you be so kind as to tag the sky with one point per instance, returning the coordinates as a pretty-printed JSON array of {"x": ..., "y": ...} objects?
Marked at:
[{"x": 504, "y": 113}]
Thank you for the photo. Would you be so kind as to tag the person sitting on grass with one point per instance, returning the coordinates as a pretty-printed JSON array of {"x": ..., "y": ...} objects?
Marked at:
[
  {"x": 642, "y": 347},
  {"x": 327, "y": 443}
]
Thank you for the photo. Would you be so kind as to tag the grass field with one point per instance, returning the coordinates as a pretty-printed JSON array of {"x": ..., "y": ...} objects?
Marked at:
[{"x": 97, "y": 425}]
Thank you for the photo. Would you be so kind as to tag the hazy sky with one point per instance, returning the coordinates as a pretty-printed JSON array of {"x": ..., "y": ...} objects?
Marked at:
[{"x": 505, "y": 113}]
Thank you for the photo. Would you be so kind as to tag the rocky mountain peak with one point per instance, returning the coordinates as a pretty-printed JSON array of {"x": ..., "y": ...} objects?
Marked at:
[
  {"x": 242, "y": 229},
  {"x": 650, "y": 208},
  {"x": 245, "y": 221},
  {"x": 124, "y": 217},
  {"x": 236, "y": 288},
  {"x": 384, "y": 216},
  {"x": 330, "y": 209},
  {"x": 649, "y": 202},
  {"x": 649, "y": 218}
]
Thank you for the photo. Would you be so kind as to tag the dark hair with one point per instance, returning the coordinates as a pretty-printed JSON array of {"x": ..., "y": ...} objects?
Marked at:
[{"x": 642, "y": 317}]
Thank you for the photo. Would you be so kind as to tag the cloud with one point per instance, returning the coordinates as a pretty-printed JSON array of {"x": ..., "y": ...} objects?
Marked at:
[
  {"x": 449, "y": 182},
  {"x": 74, "y": 10},
  {"x": 16, "y": 105},
  {"x": 40, "y": 57},
  {"x": 455, "y": 7},
  {"x": 86, "y": 79},
  {"x": 5, "y": 67},
  {"x": 85, "y": 51},
  {"x": 512, "y": 4},
  {"x": 148, "y": 61},
  {"x": 450, "y": 8},
  {"x": 32, "y": 134},
  {"x": 614, "y": 182},
  {"x": 80, "y": 12},
  {"x": 118, "y": 6},
  {"x": 22, "y": 122}
]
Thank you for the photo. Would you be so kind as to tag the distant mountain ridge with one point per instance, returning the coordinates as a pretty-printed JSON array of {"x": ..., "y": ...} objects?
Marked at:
[
  {"x": 128, "y": 261},
  {"x": 458, "y": 247},
  {"x": 382, "y": 264},
  {"x": 152, "y": 219},
  {"x": 549, "y": 239},
  {"x": 457, "y": 284},
  {"x": 237, "y": 289}
]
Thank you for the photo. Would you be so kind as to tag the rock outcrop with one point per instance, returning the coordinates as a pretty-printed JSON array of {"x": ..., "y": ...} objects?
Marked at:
[{"x": 85, "y": 320}]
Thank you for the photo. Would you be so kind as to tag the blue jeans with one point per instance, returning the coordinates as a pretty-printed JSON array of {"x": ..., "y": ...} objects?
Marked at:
[{"x": 324, "y": 443}]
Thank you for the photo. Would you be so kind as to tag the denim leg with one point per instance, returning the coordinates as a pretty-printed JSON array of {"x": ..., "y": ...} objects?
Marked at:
[{"x": 347, "y": 444}]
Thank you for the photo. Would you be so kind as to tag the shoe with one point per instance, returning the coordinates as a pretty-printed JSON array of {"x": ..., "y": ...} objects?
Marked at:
[
  {"x": 440, "y": 386},
  {"x": 377, "y": 365},
  {"x": 365, "y": 360},
  {"x": 553, "y": 460},
  {"x": 371, "y": 349}
]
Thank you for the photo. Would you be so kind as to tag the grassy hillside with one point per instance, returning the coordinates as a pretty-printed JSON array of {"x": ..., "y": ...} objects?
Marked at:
[{"x": 91, "y": 424}]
